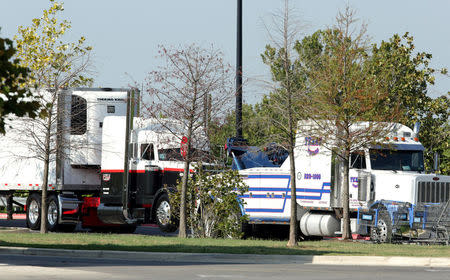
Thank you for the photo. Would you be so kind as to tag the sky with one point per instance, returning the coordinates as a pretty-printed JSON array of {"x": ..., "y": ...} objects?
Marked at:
[{"x": 126, "y": 35}]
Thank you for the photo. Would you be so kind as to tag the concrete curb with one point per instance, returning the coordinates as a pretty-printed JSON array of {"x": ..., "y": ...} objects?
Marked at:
[
  {"x": 381, "y": 261},
  {"x": 231, "y": 258}
]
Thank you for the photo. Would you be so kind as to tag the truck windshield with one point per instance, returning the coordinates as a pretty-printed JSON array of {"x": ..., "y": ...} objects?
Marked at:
[{"x": 396, "y": 160}]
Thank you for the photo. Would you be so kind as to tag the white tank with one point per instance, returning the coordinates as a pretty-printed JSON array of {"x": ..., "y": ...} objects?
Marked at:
[{"x": 319, "y": 224}]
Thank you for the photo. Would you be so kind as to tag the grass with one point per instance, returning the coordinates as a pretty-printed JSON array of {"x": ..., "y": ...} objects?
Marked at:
[{"x": 141, "y": 243}]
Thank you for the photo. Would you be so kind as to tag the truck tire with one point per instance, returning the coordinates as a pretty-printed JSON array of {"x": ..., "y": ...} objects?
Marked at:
[
  {"x": 34, "y": 211},
  {"x": 382, "y": 232},
  {"x": 52, "y": 213},
  {"x": 53, "y": 217},
  {"x": 163, "y": 215}
]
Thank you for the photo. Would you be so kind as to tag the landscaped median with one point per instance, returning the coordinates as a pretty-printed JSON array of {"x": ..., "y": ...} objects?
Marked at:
[{"x": 141, "y": 243}]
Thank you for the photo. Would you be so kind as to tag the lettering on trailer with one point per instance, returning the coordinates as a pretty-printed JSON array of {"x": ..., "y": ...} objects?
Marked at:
[
  {"x": 110, "y": 99},
  {"x": 312, "y": 144},
  {"x": 354, "y": 181},
  {"x": 309, "y": 176}
]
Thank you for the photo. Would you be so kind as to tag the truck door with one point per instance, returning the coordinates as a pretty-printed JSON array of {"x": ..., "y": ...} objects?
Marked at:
[
  {"x": 147, "y": 175},
  {"x": 357, "y": 164}
]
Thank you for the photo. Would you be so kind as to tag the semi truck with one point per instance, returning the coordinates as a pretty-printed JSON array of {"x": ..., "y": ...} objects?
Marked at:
[
  {"x": 388, "y": 186},
  {"x": 111, "y": 170}
]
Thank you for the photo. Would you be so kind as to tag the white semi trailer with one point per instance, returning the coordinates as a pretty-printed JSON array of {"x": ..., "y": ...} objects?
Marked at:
[
  {"x": 382, "y": 177},
  {"x": 109, "y": 168}
]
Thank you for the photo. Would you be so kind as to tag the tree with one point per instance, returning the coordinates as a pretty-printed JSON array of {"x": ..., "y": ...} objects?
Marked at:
[
  {"x": 283, "y": 106},
  {"x": 406, "y": 76},
  {"x": 193, "y": 88},
  {"x": 255, "y": 129},
  {"x": 14, "y": 97},
  {"x": 349, "y": 105},
  {"x": 435, "y": 132},
  {"x": 53, "y": 65}
]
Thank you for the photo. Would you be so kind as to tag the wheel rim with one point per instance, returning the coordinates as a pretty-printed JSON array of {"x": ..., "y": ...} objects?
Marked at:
[
  {"x": 163, "y": 212},
  {"x": 52, "y": 215},
  {"x": 33, "y": 212},
  {"x": 381, "y": 231}
]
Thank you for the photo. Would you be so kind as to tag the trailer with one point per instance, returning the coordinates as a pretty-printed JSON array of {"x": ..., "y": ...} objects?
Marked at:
[
  {"x": 111, "y": 171},
  {"x": 381, "y": 177}
]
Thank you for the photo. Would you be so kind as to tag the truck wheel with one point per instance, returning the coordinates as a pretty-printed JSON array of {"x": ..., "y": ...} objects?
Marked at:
[
  {"x": 34, "y": 211},
  {"x": 382, "y": 232},
  {"x": 52, "y": 213},
  {"x": 163, "y": 215}
]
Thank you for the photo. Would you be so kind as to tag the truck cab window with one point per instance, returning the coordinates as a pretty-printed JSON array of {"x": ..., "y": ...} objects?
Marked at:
[
  {"x": 396, "y": 160},
  {"x": 78, "y": 115},
  {"x": 170, "y": 154},
  {"x": 147, "y": 152},
  {"x": 358, "y": 160}
]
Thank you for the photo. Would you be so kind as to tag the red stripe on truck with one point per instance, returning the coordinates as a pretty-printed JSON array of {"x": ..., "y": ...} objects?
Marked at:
[
  {"x": 112, "y": 171},
  {"x": 121, "y": 171},
  {"x": 137, "y": 171},
  {"x": 176, "y": 170},
  {"x": 143, "y": 171}
]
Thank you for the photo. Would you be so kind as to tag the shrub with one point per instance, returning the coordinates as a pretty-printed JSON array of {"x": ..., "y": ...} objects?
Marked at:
[{"x": 214, "y": 206}]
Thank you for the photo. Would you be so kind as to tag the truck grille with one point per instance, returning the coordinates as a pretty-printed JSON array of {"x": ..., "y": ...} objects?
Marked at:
[{"x": 433, "y": 192}]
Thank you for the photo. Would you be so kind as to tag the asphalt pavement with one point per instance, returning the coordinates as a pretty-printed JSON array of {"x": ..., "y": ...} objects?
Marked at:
[
  {"x": 68, "y": 268},
  {"x": 232, "y": 258}
]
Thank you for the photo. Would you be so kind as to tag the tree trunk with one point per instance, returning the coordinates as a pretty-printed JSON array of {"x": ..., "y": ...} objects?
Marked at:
[
  {"x": 346, "y": 231},
  {"x": 182, "y": 232},
  {"x": 293, "y": 221},
  {"x": 44, "y": 197},
  {"x": 9, "y": 206},
  {"x": 45, "y": 179}
]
